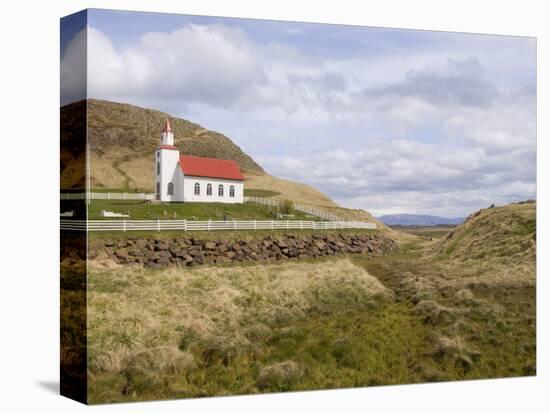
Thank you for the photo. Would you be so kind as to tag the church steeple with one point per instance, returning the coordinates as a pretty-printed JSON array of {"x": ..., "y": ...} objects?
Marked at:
[
  {"x": 167, "y": 126},
  {"x": 167, "y": 137}
]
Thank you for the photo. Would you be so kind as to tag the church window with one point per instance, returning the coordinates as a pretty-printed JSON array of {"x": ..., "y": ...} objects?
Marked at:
[
  {"x": 220, "y": 190},
  {"x": 197, "y": 189},
  {"x": 209, "y": 189},
  {"x": 158, "y": 168},
  {"x": 232, "y": 191},
  {"x": 170, "y": 188}
]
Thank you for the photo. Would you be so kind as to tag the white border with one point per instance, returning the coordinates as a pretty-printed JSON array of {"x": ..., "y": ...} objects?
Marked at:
[{"x": 29, "y": 266}]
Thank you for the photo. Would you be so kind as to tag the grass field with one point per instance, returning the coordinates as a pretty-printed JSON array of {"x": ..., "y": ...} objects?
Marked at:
[
  {"x": 189, "y": 211},
  {"x": 246, "y": 329},
  {"x": 428, "y": 232},
  {"x": 303, "y": 325},
  {"x": 429, "y": 311}
]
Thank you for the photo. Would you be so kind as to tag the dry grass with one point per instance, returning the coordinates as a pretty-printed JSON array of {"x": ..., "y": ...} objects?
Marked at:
[
  {"x": 495, "y": 246},
  {"x": 297, "y": 192},
  {"x": 142, "y": 321},
  {"x": 415, "y": 315},
  {"x": 104, "y": 171},
  {"x": 475, "y": 289},
  {"x": 281, "y": 375}
]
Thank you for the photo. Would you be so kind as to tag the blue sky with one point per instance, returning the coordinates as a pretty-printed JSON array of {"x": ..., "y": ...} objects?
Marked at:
[{"x": 389, "y": 120}]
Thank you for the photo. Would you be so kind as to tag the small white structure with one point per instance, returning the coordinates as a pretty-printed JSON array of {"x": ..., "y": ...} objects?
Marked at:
[
  {"x": 188, "y": 178},
  {"x": 105, "y": 213}
]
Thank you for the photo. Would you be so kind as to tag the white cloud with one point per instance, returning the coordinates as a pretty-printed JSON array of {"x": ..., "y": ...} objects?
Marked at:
[
  {"x": 443, "y": 130},
  {"x": 407, "y": 176},
  {"x": 73, "y": 70},
  {"x": 211, "y": 64}
]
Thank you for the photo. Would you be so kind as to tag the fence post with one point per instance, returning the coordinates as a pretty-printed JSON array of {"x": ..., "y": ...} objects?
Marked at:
[
  {"x": 272, "y": 224},
  {"x": 158, "y": 225},
  {"x": 108, "y": 195},
  {"x": 184, "y": 224},
  {"x": 255, "y": 226}
]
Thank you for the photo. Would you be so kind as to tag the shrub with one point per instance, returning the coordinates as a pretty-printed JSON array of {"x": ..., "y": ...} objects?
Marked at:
[
  {"x": 286, "y": 206},
  {"x": 280, "y": 376}
]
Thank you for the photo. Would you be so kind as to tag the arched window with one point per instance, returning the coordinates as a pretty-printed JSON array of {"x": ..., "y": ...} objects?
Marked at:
[
  {"x": 158, "y": 168},
  {"x": 170, "y": 188},
  {"x": 208, "y": 189},
  {"x": 232, "y": 191},
  {"x": 197, "y": 189},
  {"x": 158, "y": 191},
  {"x": 220, "y": 190}
]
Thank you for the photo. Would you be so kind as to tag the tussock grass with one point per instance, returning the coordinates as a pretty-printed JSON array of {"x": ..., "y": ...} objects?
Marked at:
[
  {"x": 413, "y": 315},
  {"x": 494, "y": 245},
  {"x": 191, "y": 332},
  {"x": 281, "y": 375},
  {"x": 478, "y": 302}
]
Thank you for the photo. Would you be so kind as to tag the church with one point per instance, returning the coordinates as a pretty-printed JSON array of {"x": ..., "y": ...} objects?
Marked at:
[{"x": 194, "y": 179}]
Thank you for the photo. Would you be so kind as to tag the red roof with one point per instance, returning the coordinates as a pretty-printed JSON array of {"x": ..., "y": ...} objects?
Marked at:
[
  {"x": 210, "y": 167},
  {"x": 172, "y": 147},
  {"x": 167, "y": 126}
]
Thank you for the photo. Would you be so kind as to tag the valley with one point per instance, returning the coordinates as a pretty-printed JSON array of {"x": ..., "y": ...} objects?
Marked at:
[{"x": 427, "y": 311}]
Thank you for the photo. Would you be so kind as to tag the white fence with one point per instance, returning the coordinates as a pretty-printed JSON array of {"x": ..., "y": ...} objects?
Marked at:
[
  {"x": 210, "y": 225},
  {"x": 300, "y": 207},
  {"x": 107, "y": 196}
]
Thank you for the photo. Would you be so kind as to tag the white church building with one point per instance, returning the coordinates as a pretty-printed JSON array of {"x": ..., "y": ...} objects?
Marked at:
[{"x": 194, "y": 179}]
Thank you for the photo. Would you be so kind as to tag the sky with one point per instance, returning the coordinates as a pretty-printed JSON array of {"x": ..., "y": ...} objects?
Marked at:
[{"x": 387, "y": 120}]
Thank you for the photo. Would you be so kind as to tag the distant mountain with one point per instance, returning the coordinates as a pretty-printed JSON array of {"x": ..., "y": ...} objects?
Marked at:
[{"x": 417, "y": 220}]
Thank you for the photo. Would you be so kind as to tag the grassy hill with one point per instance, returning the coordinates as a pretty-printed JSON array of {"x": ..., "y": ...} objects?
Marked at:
[
  {"x": 500, "y": 238},
  {"x": 476, "y": 289},
  {"x": 122, "y": 139}
]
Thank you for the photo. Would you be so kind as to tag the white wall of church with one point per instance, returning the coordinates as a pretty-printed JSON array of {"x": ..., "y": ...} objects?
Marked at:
[
  {"x": 169, "y": 172},
  {"x": 203, "y": 197}
]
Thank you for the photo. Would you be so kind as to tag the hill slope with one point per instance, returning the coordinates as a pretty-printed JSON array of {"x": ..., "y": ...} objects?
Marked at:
[
  {"x": 503, "y": 239},
  {"x": 123, "y": 137}
]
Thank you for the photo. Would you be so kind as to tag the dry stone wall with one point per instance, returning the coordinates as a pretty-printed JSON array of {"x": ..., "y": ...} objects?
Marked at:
[{"x": 189, "y": 251}]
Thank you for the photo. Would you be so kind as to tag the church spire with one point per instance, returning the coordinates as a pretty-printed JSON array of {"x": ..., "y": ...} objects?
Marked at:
[
  {"x": 167, "y": 126},
  {"x": 167, "y": 136}
]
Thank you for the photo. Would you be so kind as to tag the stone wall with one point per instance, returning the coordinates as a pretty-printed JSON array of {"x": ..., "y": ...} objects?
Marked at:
[{"x": 189, "y": 251}]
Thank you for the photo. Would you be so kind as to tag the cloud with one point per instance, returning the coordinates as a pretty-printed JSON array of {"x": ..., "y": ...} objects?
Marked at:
[
  {"x": 406, "y": 176},
  {"x": 457, "y": 82},
  {"x": 442, "y": 127},
  {"x": 73, "y": 69},
  {"x": 209, "y": 64}
]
